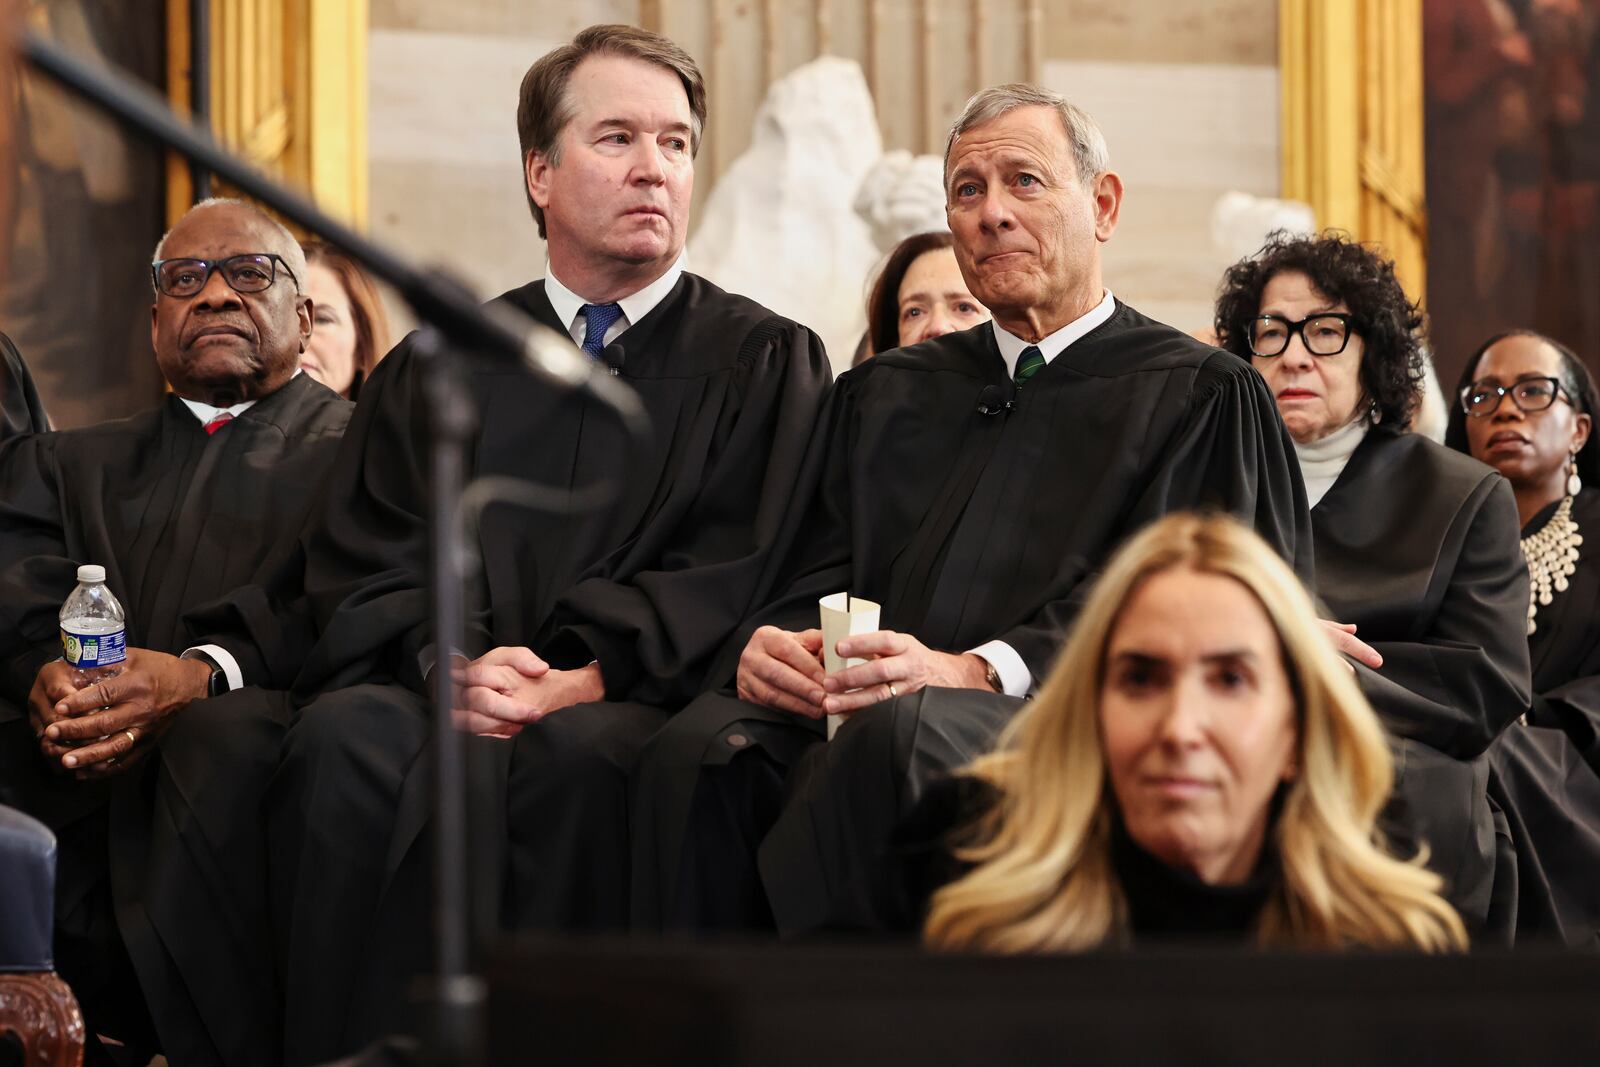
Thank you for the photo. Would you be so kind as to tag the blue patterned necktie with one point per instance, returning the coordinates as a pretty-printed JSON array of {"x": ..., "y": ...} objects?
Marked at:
[
  {"x": 599, "y": 318},
  {"x": 1029, "y": 363}
]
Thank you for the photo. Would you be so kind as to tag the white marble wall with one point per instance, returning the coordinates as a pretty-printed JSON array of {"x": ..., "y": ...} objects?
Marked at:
[
  {"x": 1180, "y": 135},
  {"x": 446, "y": 185}
]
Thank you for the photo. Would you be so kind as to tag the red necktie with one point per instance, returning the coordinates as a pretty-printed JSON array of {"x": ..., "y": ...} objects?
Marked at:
[{"x": 218, "y": 421}]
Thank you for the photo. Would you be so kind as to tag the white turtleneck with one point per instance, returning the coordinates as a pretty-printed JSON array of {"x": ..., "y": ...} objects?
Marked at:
[{"x": 1322, "y": 461}]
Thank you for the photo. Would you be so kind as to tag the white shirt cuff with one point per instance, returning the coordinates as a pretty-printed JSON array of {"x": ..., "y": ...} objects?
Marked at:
[
  {"x": 225, "y": 660},
  {"x": 1016, "y": 680}
]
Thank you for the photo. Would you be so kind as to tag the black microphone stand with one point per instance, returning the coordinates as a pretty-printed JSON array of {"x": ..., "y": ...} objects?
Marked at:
[{"x": 456, "y": 323}]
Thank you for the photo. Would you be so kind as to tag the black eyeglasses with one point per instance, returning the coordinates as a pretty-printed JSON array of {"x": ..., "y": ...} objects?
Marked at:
[
  {"x": 1482, "y": 399},
  {"x": 1323, "y": 335},
  {"x": 251, "y": 272}
]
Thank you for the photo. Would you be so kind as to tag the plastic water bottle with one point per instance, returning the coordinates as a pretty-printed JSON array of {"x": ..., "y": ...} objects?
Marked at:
[{"x": 94, "y": 635}]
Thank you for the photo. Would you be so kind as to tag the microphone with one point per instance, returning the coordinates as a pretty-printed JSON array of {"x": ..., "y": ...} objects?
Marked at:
[
  {"x": 614, "y": 356},
  {"x": 996, "y": 399}
]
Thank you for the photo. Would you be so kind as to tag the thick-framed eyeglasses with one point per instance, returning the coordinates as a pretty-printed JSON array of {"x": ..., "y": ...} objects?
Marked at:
[
  {"x": 251, "y": 272},
  {"x": 1482, "y": 399},
  {"x": 1323, "y": 335}
]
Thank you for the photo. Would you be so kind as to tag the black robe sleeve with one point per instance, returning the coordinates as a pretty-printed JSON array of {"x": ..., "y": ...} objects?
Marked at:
[
  {"x": 367, "y": 563},
  {"x": 266, "y": 627},
  {"x": 811, "y": 556},
  {"x": 922, "y": 852},
  {"x": 1457, "y": 686},
  {"x": 33, "y": 560},
  {"x": 21, "y": 410},
  {"x": 1574, "y": 709},
  {"x": 1232, "y": 454},
  {"x": 654, "y": 630}
]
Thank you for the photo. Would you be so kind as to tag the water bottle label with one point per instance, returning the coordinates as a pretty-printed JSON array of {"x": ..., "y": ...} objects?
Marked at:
[{"x": 94, "y": 650}]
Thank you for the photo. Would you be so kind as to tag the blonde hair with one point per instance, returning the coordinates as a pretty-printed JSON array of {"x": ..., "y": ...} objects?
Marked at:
[{"x": 1043, "y": 879}]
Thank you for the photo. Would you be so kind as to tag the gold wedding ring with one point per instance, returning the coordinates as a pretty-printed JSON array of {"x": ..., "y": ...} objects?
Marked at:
[
  {"x": 892, "y": 693},
  {"x": 132, "y": 737}
]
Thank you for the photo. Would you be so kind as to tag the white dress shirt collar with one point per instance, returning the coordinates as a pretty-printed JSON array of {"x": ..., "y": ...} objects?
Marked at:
[
  {"x": 1011, "y": 346},
  {"x": 205, "y": 412},
  {"x": 569, "y": 305}
]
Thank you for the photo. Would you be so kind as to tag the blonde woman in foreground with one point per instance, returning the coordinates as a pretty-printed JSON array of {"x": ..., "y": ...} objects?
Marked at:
[{"x": 1199, "y": 764}]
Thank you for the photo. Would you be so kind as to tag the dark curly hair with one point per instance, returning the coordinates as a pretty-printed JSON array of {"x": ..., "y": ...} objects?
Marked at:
[
  {"x": 1575, "y": 379},
  {"x": 1341, "y": 269}
]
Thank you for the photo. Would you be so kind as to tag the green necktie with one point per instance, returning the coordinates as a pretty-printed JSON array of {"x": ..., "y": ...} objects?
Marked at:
[{"x": 1028, "y": 364}]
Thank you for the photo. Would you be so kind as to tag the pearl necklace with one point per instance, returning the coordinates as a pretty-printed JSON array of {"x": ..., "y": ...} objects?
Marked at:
[{"x": 1552, "y": 555}]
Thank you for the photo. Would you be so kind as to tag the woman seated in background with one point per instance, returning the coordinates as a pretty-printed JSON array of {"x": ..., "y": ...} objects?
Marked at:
[
  {"x": 349, "y": 331},
  {"x": 1416, "y": 546},
  {"x": 1527, "y": 407},
  {"x": 919, "y": 294},
  {"x": 1199, "y": 764}
]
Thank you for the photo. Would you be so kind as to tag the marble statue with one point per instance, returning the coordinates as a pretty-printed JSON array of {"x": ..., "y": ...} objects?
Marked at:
[
  {"x": 901, "y": 196},
  {"x": 779, "y": 227}
]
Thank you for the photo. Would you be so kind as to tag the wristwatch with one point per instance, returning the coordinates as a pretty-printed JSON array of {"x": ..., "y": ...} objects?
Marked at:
[
  {"x": 217, "y": 684},
  {"x": 991, "y": 677}
]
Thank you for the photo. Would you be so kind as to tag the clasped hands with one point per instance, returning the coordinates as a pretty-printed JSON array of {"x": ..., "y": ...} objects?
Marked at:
[
  {"x": 111, "y": 725},
  {"x": 510, "y": 687},
  {"x": 784, "y": 670}
]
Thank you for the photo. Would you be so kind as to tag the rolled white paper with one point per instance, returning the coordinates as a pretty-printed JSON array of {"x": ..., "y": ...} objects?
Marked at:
[{"x": 843, "y": 616}]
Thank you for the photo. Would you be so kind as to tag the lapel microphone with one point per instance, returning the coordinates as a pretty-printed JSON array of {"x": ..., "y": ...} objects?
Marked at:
[
  {"x": 613, "y": 356},
  {"x": 997, "y": 399}
]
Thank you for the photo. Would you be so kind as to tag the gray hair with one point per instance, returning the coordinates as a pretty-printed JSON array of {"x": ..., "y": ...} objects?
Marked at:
[
  {"x": 291, "y": 251},
  {"x": 1089, "y": 153}
]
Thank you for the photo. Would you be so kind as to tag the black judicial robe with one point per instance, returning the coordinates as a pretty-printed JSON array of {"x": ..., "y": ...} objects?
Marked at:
[
  {"x": 1418, "y": 546},
  {"x": 21, "y": 411},
  {"x": 178, "y": 518},
  {"x": 965, "y": 527},
  {"x": 1546, "y": 773},
  {"x": 650, "y": 588}
]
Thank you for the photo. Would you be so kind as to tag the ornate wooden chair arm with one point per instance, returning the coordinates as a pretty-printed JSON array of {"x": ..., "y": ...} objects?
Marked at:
[{"x": 43, "y": 1015}]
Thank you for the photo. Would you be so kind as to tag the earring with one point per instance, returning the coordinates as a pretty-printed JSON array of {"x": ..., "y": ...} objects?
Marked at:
[{"x": 1574, "y": 483}]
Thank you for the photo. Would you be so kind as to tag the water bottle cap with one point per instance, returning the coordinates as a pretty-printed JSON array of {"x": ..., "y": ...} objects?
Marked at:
[{"x": 91, "y": 572}]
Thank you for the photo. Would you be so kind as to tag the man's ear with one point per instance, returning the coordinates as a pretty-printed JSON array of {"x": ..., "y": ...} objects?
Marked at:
[
  {"x": 153, "y": 304},
  {"x": 536, "y": 170},
  {"x": 303, "y": 309},
  {"x": 1107, "y": 205}
]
